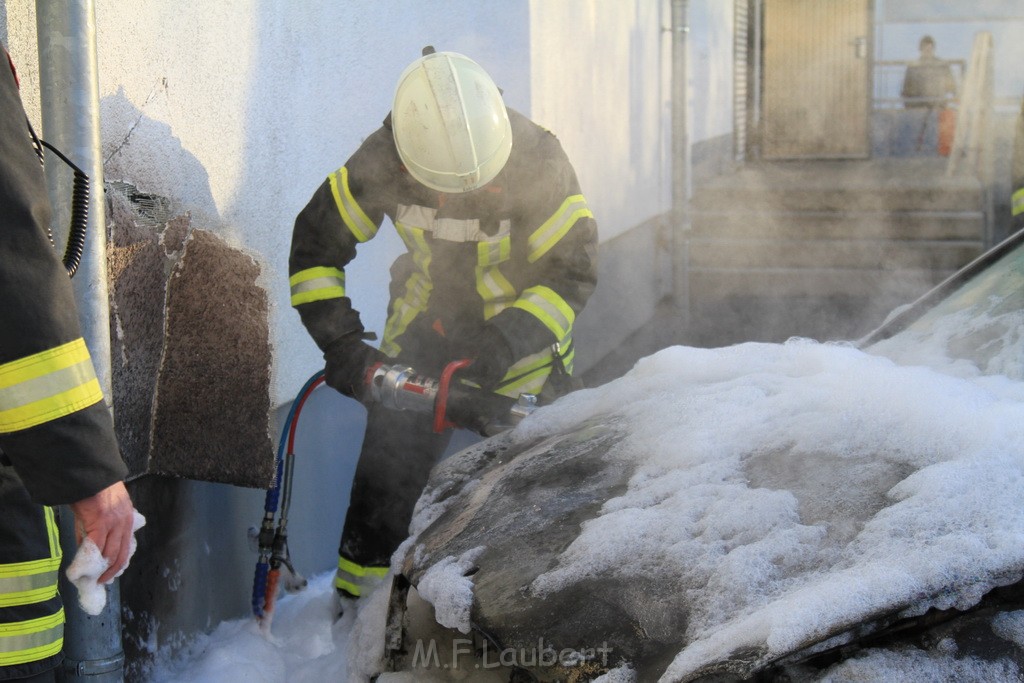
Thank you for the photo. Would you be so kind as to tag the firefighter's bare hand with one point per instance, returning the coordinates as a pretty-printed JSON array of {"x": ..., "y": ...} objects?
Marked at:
[{"x": 106, "y": 518}]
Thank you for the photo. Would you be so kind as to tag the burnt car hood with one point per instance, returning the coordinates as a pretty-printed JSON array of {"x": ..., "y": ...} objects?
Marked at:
[{"x": 716, "y": 512}]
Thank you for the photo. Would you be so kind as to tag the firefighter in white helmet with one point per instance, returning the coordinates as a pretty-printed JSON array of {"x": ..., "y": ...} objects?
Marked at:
[{"x": 501, "y": 258}]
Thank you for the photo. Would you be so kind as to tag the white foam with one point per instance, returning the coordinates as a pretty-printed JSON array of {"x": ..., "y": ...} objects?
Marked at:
[{"x": 753, "y": 466}]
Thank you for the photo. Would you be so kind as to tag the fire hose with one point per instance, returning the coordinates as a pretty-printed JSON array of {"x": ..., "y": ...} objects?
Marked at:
[{"x": 454, "y": 404}]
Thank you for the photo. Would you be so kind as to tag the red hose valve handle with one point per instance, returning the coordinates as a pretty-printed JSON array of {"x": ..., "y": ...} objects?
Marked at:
[{"x": 441, "y": 422}]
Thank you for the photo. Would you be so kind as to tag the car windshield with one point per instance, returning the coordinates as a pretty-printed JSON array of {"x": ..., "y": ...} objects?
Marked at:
[{"x": 978, "y": 328}]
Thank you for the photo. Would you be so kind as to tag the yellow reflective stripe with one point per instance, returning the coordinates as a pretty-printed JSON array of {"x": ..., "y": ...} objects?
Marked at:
[
  {"x": 416, "y": 242},
  {"x": 417, "y": 289},
  {"x": 317, "y": 284},
  {"x": 46, "y": 386},
  {"x": 407, "y": 307},
  {"x": 495, "y": 289},
  {"x": 527, "y": 384},
  {"x": 31, "y": 640},
  {"x": 1017, "y": 202},
  {"x": 347, "y": 586},
  {"x": 354, "y": 578},
  {"x": 551, "y": 309},
  {"x": 352, "y": 214},
  {"x": 567, "y": 360},
  {"x": 359, "y": 570},
  {"x": 554, "y": 228},
  {"x": 23, "y": 583},
  {"x": 491, "y": 284},
  {"x": 492, "y": 252},
  {"x": 53, "y": 531},
  {"x": 527, "y": 375}
]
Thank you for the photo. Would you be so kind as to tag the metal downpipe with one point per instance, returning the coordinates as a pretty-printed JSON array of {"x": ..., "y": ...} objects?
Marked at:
[
  {"x": 680, "y": 166},
  {"x": 69, "y": 97}
]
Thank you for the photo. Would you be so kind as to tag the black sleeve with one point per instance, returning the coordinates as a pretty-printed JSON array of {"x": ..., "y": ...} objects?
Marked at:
[
  {"x": 568, "y": 268},
  {"x": 320, "y": 239},
  {"x": 74, "y": 454},
  {"x": 344, "y": 211}
]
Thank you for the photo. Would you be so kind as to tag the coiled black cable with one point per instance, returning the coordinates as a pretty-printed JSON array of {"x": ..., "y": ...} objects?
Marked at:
[
  {"x": 79, "y": 223},
  {"x": 79, "y": 210}
]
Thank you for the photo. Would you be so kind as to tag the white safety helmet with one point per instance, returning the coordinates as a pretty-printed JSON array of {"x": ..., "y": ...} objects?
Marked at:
[{"x": 450, "y": 123}]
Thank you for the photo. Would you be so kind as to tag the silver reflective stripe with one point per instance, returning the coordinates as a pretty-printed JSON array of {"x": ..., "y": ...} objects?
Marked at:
[
  {"x": 50, "y": 384},
  {"x": 494, "y": 251},
  {"x": 551, "y": 309},
  {"x": 359, "y": 224},
  {"x": 449, "y": 229},
  {"x": 46, "y": 386},
  {"x": 527, "y": 375},
  {"x": 25, "y": 583},
  {"x": 316, "y": 284},
  {"x": 32, "y": 640},
  {"x": 19, "y": 590},
  {"x": 548, "y": 235},
  {"x": 417, "y": 289}
]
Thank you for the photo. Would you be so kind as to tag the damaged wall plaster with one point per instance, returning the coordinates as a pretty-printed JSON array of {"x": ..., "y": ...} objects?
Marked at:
[{"x": 191, "y": 348}]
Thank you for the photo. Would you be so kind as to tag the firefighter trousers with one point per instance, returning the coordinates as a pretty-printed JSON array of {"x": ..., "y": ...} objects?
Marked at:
[
  {"x": 399, "y": 450},
  {"x": 31, "y": 614}
]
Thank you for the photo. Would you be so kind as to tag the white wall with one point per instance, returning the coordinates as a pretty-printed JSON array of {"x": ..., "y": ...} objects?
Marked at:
[
  {"x": 239, "y": 109},
  {"x": 599, "y": 81},
  {"x": 711, "y": 69}
]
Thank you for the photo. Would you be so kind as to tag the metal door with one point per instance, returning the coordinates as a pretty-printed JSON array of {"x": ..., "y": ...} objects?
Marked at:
[{"x": 817, "y": 71}]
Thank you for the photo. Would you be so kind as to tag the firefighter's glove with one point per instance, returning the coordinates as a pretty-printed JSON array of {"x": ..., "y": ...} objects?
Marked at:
[
  {"x": 347, "y": 360},
  {"x": 491, "y": 356}
]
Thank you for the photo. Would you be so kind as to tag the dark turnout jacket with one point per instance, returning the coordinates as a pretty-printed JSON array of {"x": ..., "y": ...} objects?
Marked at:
[
  {"x": 57, "y": 441},
  {"x": 519, "y": 254}
]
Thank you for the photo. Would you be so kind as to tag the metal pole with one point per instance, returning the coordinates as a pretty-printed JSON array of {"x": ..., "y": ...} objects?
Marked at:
[
  {"x": 680, "y": 165},
  {"x": 69, "y": 96}
]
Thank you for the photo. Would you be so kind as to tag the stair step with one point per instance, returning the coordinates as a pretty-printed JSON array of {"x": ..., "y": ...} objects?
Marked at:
[
  {"x": 879, "y": 199},
  {"x": 707, "y": 284},
  {"x": 885, "y": 255},
  {"x": 899, "y": 225}
]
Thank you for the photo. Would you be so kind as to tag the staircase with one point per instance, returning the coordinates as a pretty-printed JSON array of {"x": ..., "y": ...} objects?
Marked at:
[{"x": 824, "y": 249}]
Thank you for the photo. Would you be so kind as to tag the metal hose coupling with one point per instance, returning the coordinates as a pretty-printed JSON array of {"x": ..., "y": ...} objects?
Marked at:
[{"x": 401, "y": 388}]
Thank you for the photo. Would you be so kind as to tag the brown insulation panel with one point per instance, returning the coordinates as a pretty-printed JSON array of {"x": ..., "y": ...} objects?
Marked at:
[
  {"x": 212, "y": 401},
  {"x": 190, "y": 348}
]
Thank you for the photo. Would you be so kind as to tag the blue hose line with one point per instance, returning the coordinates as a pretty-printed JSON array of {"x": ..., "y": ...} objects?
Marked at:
[
  {"x": 274, "y": 491},
  {"x": 259, "y": 584},
  {"x": 259, "y": 588}
]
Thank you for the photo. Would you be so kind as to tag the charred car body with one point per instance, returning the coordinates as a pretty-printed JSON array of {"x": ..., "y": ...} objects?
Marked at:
[{"x": 747, "y": 512}]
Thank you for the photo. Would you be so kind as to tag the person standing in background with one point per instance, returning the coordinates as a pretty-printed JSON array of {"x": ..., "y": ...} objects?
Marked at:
[{"x": 928, "y": 87}]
